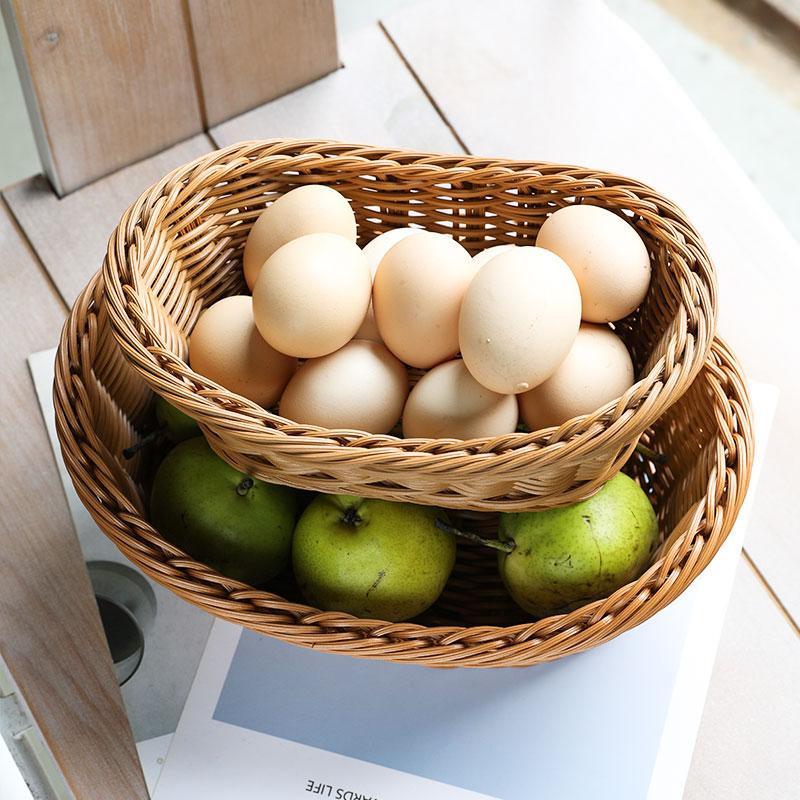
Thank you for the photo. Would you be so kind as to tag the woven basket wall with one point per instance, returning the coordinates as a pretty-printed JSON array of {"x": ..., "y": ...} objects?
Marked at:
[
  {"x": 178, "y": 249},
  {"x": 707, "y": 435}
]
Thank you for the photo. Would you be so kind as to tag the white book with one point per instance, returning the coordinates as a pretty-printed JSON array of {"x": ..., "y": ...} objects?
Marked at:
[{"x": 268, "y": 719}]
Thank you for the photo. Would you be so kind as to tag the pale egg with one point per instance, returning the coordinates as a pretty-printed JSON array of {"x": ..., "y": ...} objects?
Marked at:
[
  {"x": 597, "y": 370},
  {"x": 448, "y": 403},
  {"x": 378, "y": 247},
  {"x": 226, "y": 347},
  {"x": 312, "y": 295},
  {"x": 374, "y": 251},
  {"x": 485, "y": 256},
  {"x": 607, "y": 256},
  {"x": 307, "y": 209},
  {"x": 519, "y": 318},
  {"x": 360, "y": 387},
  {"x": 417, "y": 296}
]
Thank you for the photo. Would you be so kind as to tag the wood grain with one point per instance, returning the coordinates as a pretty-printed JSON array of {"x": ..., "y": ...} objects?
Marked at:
[
  {"x": 111, "y": 82},
  {"x": 50, "y": 633},
  {"x": 251, "y": 51},
  {"x": 623, "y": 112},
  {"x": 70, "y": 234},
  {"x": 788, "y": 9},
  {"x": 346, "y": 106},
  {"x": 747, "y": 746}
]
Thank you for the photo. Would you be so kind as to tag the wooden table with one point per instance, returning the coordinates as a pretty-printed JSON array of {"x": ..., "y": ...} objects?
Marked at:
[{"x": 561, "y": 82}]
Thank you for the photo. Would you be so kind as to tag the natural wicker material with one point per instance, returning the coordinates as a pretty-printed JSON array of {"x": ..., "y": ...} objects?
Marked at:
[
  {"x": 707, "y": 435},
  {"x": 178, "y": 249}
]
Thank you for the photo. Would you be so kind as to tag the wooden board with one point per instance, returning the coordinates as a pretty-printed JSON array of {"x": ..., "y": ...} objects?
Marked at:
[
  {"x": 70, "y": 234},
  {"x": 544, "y": 93},
  {"x": 251, "y": 51},
  {"x": 50, "y": 633},
  {"x": 110, "y": 82},
  {"x": 373, "y": 98},
  {"x": 788, "y": 9},
  {"x": 747, "y": 746}
]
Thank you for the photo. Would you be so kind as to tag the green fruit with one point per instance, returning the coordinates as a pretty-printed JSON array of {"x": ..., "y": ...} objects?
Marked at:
[
  {"x": 371, "y": 558},
  {"x": 565, "y": 557},
  {"x": 177, "y": 426},
  {"x": 240, "y": 526}
]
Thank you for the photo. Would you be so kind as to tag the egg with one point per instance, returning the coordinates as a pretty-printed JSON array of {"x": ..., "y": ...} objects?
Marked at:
[
  {"x": 448, "y": 403},
  {"x": 519, "y": 318},
  {"x": 225, "y": 346},
  {"x": 378, "y": 247},
  {"x": 374, "y": 251},
  {"x": 417, "y": 296},
  {"x": 597, "y": 370},
  {"x": 307, "y": 209},
  {"x": 312, "y": 295},
  {"x": 485, "y": 256},
  {"x": 360, "y": 387},
  {"x": 607, "y": 256}
]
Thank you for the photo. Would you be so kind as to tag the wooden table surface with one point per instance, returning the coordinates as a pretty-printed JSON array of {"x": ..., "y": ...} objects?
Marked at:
[{"x": 535, "y": 82}]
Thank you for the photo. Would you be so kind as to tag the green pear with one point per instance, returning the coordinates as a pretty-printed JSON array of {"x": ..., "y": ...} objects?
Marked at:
[
  {"x": 240, "y": 526},
  {"x": 177, "y": 426},
  {"x": 562, "y": 558},
  {"x": 372, "y": 558}
]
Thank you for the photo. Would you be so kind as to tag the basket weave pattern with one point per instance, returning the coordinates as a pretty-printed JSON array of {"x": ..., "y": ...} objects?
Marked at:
[
  {"x": 178, "y": 249},
  {"x": 707, "y": 435}
]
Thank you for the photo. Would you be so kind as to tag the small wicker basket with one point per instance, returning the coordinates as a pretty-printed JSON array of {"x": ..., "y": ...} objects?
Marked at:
[
  {"x": 178, "y": 249},
  {"x": 697, "y": 495}
]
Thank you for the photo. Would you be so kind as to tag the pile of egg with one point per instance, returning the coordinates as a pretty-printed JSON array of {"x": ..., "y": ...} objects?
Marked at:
[{"x": 331, "y": 328}]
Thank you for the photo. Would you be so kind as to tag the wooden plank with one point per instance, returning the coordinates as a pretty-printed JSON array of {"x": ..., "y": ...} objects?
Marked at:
[
  {"x": 747, "y": 745},
  {"x": 557, "y": 95},
  {"x": 789, "y": 10},
  {"x": 251, "y": 51},
  {"x": 372, "y": 99},
  {"x": 108, "y": 82},
  {"x": 50, "y": 633},
  {"x": 70, "y": 234}
]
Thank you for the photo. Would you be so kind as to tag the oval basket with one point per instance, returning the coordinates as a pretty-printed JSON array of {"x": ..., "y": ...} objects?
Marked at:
[
  {"x": 707, "y": 435},
  {"x": 178, "y": 249}
]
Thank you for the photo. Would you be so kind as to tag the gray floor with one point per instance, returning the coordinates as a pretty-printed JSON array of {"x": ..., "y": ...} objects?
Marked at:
[{"x": 745, "y": 84}]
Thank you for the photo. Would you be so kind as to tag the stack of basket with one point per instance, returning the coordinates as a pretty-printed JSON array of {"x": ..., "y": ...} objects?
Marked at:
[{"x": 178, "y": 249}]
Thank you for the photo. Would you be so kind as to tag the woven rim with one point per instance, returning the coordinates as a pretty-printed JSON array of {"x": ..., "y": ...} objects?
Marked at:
[
  {"x": 177, "y": 249},
  {"x": 708, "y": 435}
]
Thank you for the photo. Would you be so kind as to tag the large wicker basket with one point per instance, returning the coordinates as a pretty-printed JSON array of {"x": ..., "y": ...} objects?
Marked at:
[
  {"x": 178, "y": 249},
  {"x": 707, "y": 435}
]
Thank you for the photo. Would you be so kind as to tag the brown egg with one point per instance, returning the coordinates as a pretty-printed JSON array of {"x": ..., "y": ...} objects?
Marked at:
[
  {"x": 226, "y": 348},
  {"x": 519, "y": 319},
  {"x": 417, "y": 296},
  {"x": 607, "y": 256},
  {"x": 597, "y": 370},
  {"x": 360, "y": 387},
  {"x": 374, "y": 252},
  {"x": 448, "y": 403},
  {"x": 312, "y": 294},
  {"x": 307, "y": 209}
]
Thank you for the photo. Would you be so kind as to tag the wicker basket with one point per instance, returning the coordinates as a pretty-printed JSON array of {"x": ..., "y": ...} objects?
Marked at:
[
  {"x": 178, "y": 249},
  {"x": 707, "y": 435}
]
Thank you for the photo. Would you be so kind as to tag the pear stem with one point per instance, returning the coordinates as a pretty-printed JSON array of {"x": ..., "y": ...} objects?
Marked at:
[
  {"x": 350, "y": 517},
  {"x": 495, "y": 544},
  {"x": 153, "y": 436},
  {"x": 245, "y": 486},
  {"x": 656, "y": 458}
]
